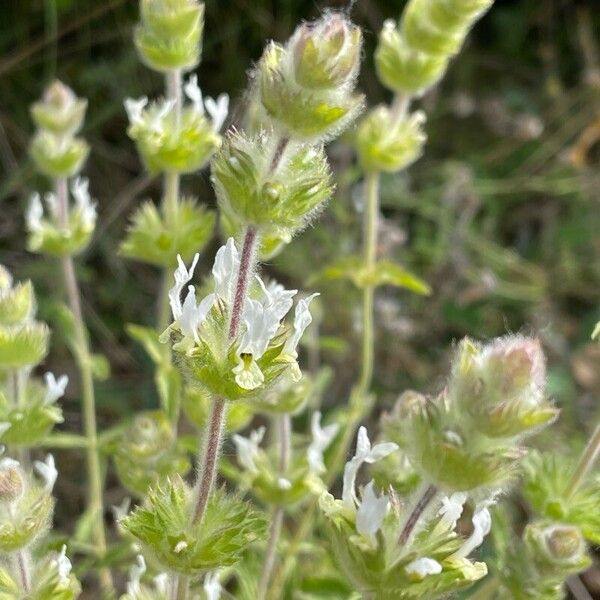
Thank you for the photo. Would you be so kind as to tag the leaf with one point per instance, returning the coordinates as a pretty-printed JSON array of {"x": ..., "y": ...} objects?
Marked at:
[
  {"x": 168, "y": 384},
  {"x": 148, "y": 338},
  {"x": 384, "y": 273}
]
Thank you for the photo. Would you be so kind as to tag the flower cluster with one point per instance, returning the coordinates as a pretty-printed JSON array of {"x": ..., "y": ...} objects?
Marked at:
[
  {"x": 171, "y": 139},
  {"x": 413, "y": 55},
  {"x": 262, "y": 352},
  {"x": 55, "y": 148},
  {"x": 26, "y": 507},
  {"x": 61, "y": 230}
]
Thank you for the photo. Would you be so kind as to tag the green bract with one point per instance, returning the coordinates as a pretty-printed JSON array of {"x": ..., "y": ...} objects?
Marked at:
[
  {"x": 385, "y": 144},
  {"x": 23, "y": 345},
  {"x": 59, "y": 111},
  {"x": 279, "y": 201},
  {"x": 148, "y": 453},
  {"x": 30, "y": 422},
  {"x": 17, "y": 304},
  {"x": 51, "y": 582},
  {"x": 163, "y": 526},
  {"x": 156, "y": 239},
  {"x": 169, "y": 36},
  {"x": 196, "y": 407},
  {"x": 58, "y": 157},
  {"x": 28, "y": 519},
  {"x": 167, "y": 144}
]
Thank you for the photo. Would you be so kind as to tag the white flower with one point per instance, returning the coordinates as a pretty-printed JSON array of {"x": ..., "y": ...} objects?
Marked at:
[
  {"x": 161, "y": 583},
  {"x": 180, "y": 546},
  {"x": 8, "y": 463},
  {"x": 302, "y": 319},
  {"x": 55, "y": 388},
  {"x": 63, "y": 565},
  {"x": 192, "y": 91},
  {"x": 87, "y": 208},
  {"x": 136, "y": 572},
  {"x": 135, "y": 108},
  {"x": 248, "y": 448},
  {"x": 192, "y": 314},
  {"x": 423, "y": 567},
  {"x": 321, "y": 438},
  {"x": 217, "y": 110},
  {"x": 51, "y": 200},
  {"x": 182, "y": 276},
  {"x": 120, "y": 511},
  {"x": 482, "y": 524},
  {"x": 371, "y": 512},
  {"x": 35, "y": 212},
  {"x": 276, "y": 298},
  {"x": 47, "y": 471},
  {"x": 212, "y": 587},
  {"x": 452, "y": 508},
  {"x": 157, "y": 114},
  {"x": 284, "y": 484},
  {"x": 364, "y": 454},
  {"x": 225, "y": 270}
]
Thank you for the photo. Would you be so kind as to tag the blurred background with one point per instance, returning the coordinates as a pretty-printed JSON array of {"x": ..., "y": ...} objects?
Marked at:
[{"x": 501, "y": 216}]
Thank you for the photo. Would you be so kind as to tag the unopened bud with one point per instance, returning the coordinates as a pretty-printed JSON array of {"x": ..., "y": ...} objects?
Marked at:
[
  {"x": 60, "y": 110},
  {"x": 326, "y": 53},
  {"x": 12, "y": 483}
]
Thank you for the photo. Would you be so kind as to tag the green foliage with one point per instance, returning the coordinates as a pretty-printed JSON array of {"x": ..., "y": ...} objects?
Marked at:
[
  {"x": 384, "y": 273},
  {"x": 164, "y": 528},
  {"x": 156, "y": 239},
  {"x": 196, "y": 407}
]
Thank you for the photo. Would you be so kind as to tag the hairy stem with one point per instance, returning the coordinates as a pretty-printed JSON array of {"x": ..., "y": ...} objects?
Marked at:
[
  {"x": 585, "y": 464},
  {"x": 21, "y": 561},
  {"x": 423, "y": 502},
  {"x": 214, "y": 431},
  {"x": 83, "y": 359},
  {"x": 171, "y": 183},
  {"x": 285, "y": 451}
]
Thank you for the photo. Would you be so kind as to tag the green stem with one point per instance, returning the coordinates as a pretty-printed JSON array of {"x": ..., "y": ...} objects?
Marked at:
[
  {"x": 171, "y": 184},
  {"x": 487, "y": 590},
  {"x": 84, "y": 363},
  {"x": 285, "y": 452},
  {"x": 585, "y": 464},
  {"x": 360, "y": 401}
]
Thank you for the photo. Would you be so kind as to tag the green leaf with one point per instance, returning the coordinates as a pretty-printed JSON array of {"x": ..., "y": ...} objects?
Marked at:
[
  {"x": 389, "y": 273},
  {"x": 168, "y": 384},
  {"x": 148, "y": 337},
  {"x": 100, "y": 367}
]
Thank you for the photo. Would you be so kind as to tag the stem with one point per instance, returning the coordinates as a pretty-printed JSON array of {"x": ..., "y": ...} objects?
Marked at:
[
  {"x": 285, "y": 451},
  {"x": 487, "y": 590},
  {"x": 586, "y": 462},
  {"x": 413, "y": 518},
  {"x": 399, "y": 108},
  {"x": 180, "y": 588},
  {"x": 360, "y": 403},
  {"x": 84, "y": 363},
  {"x": 215, "y": 426},
  {"x": 279, "y": 152},
  {"x": 171, "y": 181},
  {"x": 22, "y": 567}
]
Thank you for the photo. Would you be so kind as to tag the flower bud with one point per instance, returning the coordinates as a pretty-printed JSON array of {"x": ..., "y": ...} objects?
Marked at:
[
  {"x": 305, "y": 88},
  {"x": 171, "y": 144},
  {"x": 384, "y": 145},
  {"x": 148, "y": 453},
  {"x": 556, "y": 547},
  {"x": 275, "y": 201},
  {"x": 169, "y": 35},
  {"x": 402, "y": 68},
  {"x": 12, "y": 482},
  {"x": 23, "y": 346},
  {"x": 56, "y": 156},
  {"x": 17, "y": 304},
  {"x": 326, "y": 53},
  {"x": 60, "y": 111}
]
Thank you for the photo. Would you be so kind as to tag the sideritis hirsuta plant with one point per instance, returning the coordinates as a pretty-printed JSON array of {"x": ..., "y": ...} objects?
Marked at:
[{"x": 227, "y": 351}]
